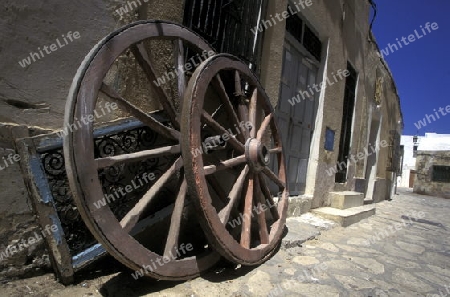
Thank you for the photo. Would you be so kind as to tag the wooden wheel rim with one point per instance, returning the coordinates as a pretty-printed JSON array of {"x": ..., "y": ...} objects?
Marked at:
[
  {"x": 79, "y": 155},
  {"x": 192, "y": 116}
]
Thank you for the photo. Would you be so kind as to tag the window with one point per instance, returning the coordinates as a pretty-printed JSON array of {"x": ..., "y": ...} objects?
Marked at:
[
  {"x": 329, "y": 139},
  {"x": 415, "y": 151},
  {"x": 227, "y": 25},
  {"x": 304, "y": 34},
  {"x": 312, "y": 43},
  {"x": 294, "y": 25},
  {"x": 441, "y": 174}
]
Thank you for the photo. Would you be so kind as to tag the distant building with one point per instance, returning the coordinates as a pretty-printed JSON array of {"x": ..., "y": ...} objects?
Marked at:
[
  {"x": 429, "y": 148},
  {"x": 433, "y": 166}
]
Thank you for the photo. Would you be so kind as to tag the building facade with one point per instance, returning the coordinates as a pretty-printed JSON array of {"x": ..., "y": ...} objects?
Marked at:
[
  {"x": 345, "y": 136},
  {"x": 334, "y": 95}
]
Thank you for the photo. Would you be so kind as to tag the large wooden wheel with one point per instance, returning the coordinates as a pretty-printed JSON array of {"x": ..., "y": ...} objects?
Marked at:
[
  {"x": 175, "y": 250},
  {"x": 240, "y": 216}
]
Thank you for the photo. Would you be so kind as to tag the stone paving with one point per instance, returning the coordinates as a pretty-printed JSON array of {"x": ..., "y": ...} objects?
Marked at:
[{"x": 401, "y": 251}]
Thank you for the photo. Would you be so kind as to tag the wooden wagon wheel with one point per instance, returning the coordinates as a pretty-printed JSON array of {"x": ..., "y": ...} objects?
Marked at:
[
  {"x": 170, "y": 257},
  {"x": 241, "y": 218}
]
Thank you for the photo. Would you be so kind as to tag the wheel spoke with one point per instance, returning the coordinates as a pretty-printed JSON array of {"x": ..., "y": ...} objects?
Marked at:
[
  {"x": 263, "y": 231},
  {"x": 247, "y": 214},
  {"x": 265, "y": 124},
  {"x": 237, "y": 83},
  {"x": 224, "y": 165},
  {"x": 211, "y": 159},
  {"x": 219, "y": 129},
  {"x": 179, "y": 64},
  {"x": 242, "y": 104},
  {"x": 175, "y": 222},
  {"x": 133, "y": 216},
  {"x": 269, "y": 198},
  {"x": 277, "y": 150},
  {"x": 273, "y": 177},
  {"x": 141, "y": 55},
  {"x": 243, "y": 115},
  {"x": 281, "y": 168},
  {"x": 139, "y": 156},
  {"x": 139, "y": 114},
  {"x": 252, "y": 112},
  {"x": 225, "y": 99},
  {"x": 234, "y": 195}
]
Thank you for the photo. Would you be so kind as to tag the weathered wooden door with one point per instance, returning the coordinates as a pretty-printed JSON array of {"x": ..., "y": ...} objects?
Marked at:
[
  {"x": 297, "y": 108},
  {"x": 412, "y": 178}
]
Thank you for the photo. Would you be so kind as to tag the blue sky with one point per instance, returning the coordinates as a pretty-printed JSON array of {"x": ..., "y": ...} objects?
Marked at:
[{"x": 421, "y": 69}]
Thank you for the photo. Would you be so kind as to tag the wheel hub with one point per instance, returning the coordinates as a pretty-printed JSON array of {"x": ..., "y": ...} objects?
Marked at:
[{"x": 257, "y": 154}]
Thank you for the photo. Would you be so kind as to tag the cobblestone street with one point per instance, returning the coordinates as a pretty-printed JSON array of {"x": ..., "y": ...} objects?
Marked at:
[{"x": 401, "y": 251}]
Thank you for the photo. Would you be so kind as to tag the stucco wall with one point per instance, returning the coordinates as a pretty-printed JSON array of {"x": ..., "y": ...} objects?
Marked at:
[{"x": 272, "y": 54}]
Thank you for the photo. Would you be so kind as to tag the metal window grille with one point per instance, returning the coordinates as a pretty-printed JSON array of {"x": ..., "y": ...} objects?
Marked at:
[
  {"x": 441, "y": 174},
  {"x": 312, "y": 43},
  {"x": 227, "y": 25},
  {"x": 294, "y": 25},
  {"x": 304, "y": 34}
]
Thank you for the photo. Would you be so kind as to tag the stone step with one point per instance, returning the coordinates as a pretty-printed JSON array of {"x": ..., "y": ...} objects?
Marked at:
[
  {"x": 346, "y": 217},
  {"x": 346, "y": 199}
]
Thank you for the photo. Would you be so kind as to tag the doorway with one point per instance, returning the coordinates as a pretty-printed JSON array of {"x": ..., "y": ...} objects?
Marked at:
[
  {"x": 347, "y": 121},
  {"x": 412, "y": 178},
  {"x": 296, "y": 118}
]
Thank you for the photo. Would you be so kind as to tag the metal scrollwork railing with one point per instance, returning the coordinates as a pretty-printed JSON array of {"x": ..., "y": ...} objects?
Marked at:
[{"x": 112, "y": 179}]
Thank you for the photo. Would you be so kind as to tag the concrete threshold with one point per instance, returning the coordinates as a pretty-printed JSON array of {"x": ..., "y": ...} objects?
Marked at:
[{"x": 346, "y": 217}]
